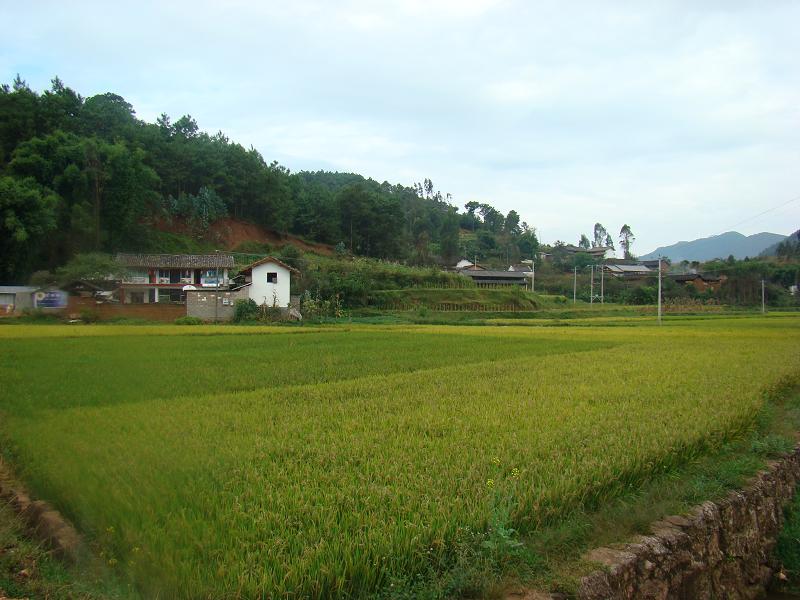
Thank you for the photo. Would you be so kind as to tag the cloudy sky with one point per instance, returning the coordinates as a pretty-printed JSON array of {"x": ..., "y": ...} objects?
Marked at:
[{"x": 681, "y": 119}]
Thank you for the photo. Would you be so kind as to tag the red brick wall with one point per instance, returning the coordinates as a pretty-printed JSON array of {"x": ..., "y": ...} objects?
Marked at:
[{"x": 150, "y": 312}]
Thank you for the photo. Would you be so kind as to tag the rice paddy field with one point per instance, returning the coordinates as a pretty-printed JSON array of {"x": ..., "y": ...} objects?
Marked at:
[{"x": 334, "y": 462}]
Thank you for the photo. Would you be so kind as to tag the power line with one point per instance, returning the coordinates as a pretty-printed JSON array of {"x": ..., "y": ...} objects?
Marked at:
[{"x": 769, "y": 210}]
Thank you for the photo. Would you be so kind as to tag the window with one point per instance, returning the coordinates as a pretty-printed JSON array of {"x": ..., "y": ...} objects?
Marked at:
[
  {"x": 272, "y": 278},
  {"x": 163, "y": 276},
  {"x": 137, "y": 276},
  {"x": 210, "y": 277}
]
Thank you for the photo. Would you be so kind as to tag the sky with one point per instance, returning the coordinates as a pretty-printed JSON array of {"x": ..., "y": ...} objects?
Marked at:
[{"x": 680, "y": 119}]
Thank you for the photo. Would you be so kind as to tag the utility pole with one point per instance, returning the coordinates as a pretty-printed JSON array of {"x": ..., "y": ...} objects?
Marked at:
[
  {"x": 533, "y": 272},
  {"x": 591, "y": 288},
  {"x": 602, "y": 284},
  {"x": 763, "y": 299},
  {"x": 575, "y": 286},
  {"x": 659, "y": 290}
]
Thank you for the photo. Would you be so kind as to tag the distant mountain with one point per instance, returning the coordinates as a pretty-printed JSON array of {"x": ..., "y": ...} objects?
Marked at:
[
  {"x": 773, "y": 249},
  {"x": 718, "y": 246}
]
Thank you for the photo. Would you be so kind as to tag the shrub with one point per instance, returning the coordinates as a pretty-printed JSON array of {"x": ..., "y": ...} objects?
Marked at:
[
  {"x": 37, "y": 314},
  {"x": 188, "y": 321},
  {"x": 290, "y": 252},
  {"x": 270, "y": 312},
  {"x": 253, "y": 247},
  {"x": 314, "y": 307},
  {"x": 245, "y": 310},
  {"x": 88, "y": 316},
  {"x": 641, "y": 295}
]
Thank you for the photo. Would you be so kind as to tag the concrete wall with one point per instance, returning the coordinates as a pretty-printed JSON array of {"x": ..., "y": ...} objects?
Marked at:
[
  {"x": 212, "y": 305},
  {"x": 261, "y": 292}
]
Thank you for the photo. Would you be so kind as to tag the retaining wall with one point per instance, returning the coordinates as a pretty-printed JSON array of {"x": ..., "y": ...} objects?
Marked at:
[{"x": 719, "y": 550}]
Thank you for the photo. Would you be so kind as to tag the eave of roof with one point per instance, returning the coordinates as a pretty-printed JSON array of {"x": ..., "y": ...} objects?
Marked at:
[{"x": 267, "y": 259}]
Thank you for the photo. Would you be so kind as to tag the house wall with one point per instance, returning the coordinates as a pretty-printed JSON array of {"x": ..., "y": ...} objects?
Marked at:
[
  {"x": 261, "y": 292},
  {"x": 22, "y": 300}
]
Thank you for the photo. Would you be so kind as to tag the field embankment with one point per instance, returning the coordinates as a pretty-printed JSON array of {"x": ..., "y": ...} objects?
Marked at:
[{"x": 341, "y": 463}]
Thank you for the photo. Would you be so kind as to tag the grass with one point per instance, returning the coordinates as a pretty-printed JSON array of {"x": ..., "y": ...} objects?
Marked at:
[
  {"x": 466, "y": 298},
  {"x": 28, "y": 570},
  {"x": 788, "y": 548},
  {"x": 331, "y": 462}
]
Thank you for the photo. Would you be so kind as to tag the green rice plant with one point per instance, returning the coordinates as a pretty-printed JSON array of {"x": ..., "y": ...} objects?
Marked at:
[{"x": 338, "y": 462}]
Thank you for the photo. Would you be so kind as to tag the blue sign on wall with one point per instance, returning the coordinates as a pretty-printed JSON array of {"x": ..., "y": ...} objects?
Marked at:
[{"x": 51, "y": 299}]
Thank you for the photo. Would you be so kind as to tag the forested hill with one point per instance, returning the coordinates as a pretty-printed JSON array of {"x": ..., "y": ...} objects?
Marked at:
[
  {"x": 731, "y": 243},
  {"x": 85, "y": 174}
]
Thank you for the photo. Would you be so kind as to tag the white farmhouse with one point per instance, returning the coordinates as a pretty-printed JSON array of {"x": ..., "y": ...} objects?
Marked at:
[{"x": 267, "y": 281}]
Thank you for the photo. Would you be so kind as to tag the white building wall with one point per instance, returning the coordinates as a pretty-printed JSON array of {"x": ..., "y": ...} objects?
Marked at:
[{"x": 261, "y": 291}]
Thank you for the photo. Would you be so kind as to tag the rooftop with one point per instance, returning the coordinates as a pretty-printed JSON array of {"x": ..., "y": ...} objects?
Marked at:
[
  {"x": 267, "y": 259},
  {"x": 177, "y": 261},
  {"x": 492, "y": 274},
  {"x": 614, "y": 268}
]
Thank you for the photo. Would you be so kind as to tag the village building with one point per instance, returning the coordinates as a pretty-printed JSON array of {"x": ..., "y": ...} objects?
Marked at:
[
  {"x": 468, "y": 265},
  {"x": 521, "y": 268},
  {"x": 268, "y": 281},
  {"x": 486, "y": 278},
  {"x": 16, "y": 298},
  {"x": 598, "y": 252},
  {"x": 653, "y": 264},
  {"x": 623, "y": 271},
  {"x": 153, "y": 278},
  {"x": 701, "y": 281}
]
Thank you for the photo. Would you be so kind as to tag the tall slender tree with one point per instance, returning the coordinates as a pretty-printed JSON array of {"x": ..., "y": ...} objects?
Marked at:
[
  {"x": 600, "y": 235},
  {"x": 626, "y": 239}
]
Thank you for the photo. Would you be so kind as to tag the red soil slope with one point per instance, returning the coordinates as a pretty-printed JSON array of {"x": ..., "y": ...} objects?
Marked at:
[{"x": 232, "y": 232}]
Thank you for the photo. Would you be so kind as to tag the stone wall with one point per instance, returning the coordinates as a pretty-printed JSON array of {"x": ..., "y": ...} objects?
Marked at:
[{"x": 719, "y": 550}]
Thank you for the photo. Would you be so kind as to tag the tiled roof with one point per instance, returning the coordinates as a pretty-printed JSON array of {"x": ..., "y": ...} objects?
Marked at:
[
  {"x": 628, "y": 268},
  {"x": 692, "y": 276},
  {"x": 177, "y": 261},
  {"x": 521, "y": 267},
  {"x": 494, "y": 274},
  {"x": 268, "y": 259}
]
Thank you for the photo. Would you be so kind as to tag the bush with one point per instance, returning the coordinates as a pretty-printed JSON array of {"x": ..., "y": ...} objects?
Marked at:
[
  {"x": 253, "y": 247},
  {"x": 245, "y": 310},
  {"x": 270, "y": 312},
  {"x": 290, "y": 252},
  {"x": 37, "y": 314},
  {"x": 315, "y": 308},
  {"x": 188, "y": 321},
  {"x": 641, "y": 295},
  {"x": 88, "y": 316}
]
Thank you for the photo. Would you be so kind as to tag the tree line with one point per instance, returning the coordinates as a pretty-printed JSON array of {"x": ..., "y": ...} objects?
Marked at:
[
  {"x": 84, "y": 175},
  {"x": 601, "y": 238}
]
